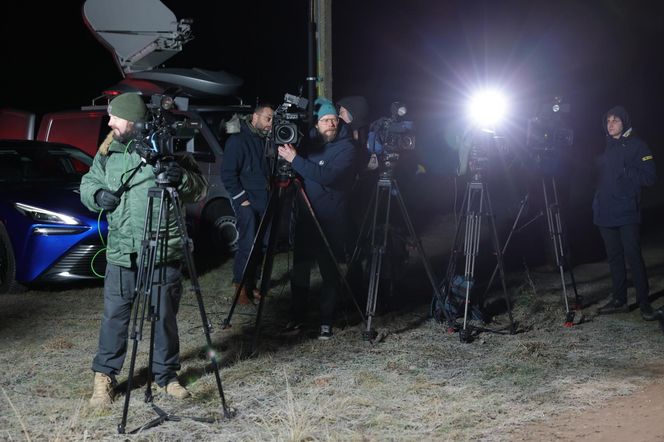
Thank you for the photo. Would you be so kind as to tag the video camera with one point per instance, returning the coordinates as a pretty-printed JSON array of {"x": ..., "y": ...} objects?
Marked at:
[
  {"x": 548, "y": 131},
  {"x": 154, "y": 138},
  {"x": 284, "y": 122},
  {"x": 389, "y": 136}
]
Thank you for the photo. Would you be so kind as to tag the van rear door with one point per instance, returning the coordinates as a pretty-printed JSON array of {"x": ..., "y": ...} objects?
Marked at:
[{"x": 85, "y": 130}]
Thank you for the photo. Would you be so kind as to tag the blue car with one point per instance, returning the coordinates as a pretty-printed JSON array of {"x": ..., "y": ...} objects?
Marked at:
[{"x": 46, "y": 234}]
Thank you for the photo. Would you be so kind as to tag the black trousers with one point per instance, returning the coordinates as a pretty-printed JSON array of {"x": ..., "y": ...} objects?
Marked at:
[
  {"x": 623, "y": 242},
  {"x": 308, "y": 249}
]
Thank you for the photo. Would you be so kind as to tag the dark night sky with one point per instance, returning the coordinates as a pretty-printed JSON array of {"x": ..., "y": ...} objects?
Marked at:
[{"x": 428, "y": 53}]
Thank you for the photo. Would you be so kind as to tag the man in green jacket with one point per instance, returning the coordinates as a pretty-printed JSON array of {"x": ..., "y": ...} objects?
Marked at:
[{"x": 113, "y": 164}]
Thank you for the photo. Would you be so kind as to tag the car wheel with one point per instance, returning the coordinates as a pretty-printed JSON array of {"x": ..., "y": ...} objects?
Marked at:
[
  {"x": 220, "y": 225},
  {"x": 7, "y": 263}
]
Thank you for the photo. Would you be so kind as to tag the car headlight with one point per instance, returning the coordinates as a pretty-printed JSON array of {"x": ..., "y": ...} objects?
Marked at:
[{"x": 46, "y": 216}]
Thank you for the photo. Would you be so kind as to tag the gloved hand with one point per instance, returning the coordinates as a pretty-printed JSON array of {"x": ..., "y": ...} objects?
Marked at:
[
  {"x": 173, "y": 172},
  {"x": 106, "y": 200}
]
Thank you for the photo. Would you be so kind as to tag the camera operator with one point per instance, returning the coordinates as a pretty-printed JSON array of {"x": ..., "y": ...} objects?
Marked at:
[
  {"x": 246, "y": 175},
  {"x": 624, "y": 167},
  {"x": 327, "y": 163},
  {"x": 113, "y": 163}
]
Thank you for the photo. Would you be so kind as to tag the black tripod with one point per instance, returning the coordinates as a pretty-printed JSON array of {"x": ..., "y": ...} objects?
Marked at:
[
  {"x": 476, "y": 205},
  {"x": 285, "y": 179},
  {"x": 386, "y": 189},
  {"x": 557, "y": 236},
  {"x": 149, "y": 284}
]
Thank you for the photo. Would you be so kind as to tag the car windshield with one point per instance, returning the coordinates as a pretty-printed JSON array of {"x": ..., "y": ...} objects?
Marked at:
[{"x": 42, "y": 164}]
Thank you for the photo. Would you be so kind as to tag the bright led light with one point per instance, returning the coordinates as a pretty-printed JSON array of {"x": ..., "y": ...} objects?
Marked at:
[
  {"x": 46, "y": 216},
  {"x": 487, "y": 108}
]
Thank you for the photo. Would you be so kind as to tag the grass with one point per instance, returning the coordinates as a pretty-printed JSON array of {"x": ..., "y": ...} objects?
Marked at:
[{"x": 418, "y": 383}]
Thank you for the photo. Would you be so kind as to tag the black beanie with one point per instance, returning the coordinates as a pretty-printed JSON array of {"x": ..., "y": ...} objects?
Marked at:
[{"x": 358, "y": 108}]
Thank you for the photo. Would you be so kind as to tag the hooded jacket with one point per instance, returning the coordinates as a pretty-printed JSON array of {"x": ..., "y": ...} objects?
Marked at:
[
  {"x": 113, "y": 163},
  {"x": 624, "y": 167},
  {"x": 328, "y": 170}
]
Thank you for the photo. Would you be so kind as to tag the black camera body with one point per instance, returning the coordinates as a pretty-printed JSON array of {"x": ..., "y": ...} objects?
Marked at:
[
  {"x": 285, "y": 129},
  {"x": 390, "y": 136},
  {"x": 548, "y": 131},
  {"x": 153, "y": 138}
]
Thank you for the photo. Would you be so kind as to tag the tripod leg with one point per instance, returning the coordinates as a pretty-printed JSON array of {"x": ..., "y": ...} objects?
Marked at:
[
  {"x": 195, "y": 286},
  {"x": 377, "y": 253},
  {"x": 499, "y": 261},
  {"x": 471, "y": 246},
  {"x": 555, "y": 225},
  {"x": 358, "y": 244},
  {"x": 256, "y": 249},
  {"x": 266, "y": 273},
  {"x": 415, "y": 238},
  {"x": 305, "y": 200},
  {"x": 522, "y": 206},
  {"x": 142, "y": 297}
]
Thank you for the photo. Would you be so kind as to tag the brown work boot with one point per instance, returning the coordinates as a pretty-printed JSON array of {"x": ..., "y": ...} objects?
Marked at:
[
  {"x": 102, "y": 395},
  {"x": 243, "y": 299},
  {"x": 174, "y": 389}
]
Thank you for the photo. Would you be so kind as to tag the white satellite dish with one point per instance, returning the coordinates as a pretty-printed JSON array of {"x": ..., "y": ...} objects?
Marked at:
[{"x": 141, "y": 34}]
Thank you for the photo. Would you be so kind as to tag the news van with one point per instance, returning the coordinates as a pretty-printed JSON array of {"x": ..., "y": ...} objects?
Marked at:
[{"x": 204, "y": 97}]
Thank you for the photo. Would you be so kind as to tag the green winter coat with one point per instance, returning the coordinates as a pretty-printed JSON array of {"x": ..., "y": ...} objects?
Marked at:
[{"x": 126, "y": 224}]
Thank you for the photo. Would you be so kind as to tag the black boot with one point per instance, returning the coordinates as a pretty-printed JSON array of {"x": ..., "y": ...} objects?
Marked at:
[
  {"x": 647, "y": 312},
  {"x": 613, "y": 306}
]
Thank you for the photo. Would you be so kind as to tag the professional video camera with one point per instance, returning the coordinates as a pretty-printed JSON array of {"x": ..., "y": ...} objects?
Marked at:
[
  {"x": 284, "y": 122},
  {"x": 548, "y": 131},
  {"x": 285, "y": 130},
  {"x": 155, "y": 138},
  {"x": 389, "y": 136}
]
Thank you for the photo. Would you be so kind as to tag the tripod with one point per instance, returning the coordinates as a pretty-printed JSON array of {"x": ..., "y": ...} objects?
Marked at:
[
  {"x": 271, "y": 220},
  {"x": 149, "y": 289},
  {"x": 476, "y": 205},
  {"x": 386, "y": 190},
  {"x": 556, "y": 234}
]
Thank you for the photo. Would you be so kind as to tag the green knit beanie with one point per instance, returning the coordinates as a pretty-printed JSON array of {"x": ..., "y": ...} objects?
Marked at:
[{"x": 129, "y": 107}]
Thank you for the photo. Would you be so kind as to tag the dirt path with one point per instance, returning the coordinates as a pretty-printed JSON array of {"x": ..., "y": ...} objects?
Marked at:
[{"x": 637, "y": 417}]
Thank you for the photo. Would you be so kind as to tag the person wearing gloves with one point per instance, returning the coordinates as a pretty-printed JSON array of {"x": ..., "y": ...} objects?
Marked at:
[
  {"x": 326, "y": 161},
  {"x": 112, "y": 166}
]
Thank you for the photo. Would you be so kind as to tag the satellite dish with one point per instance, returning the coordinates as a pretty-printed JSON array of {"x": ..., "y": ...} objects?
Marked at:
[{"x": 141, "y": 34}]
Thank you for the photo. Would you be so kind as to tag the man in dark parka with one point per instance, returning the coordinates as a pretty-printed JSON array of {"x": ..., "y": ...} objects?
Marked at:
[{"x": 327, "y": 163}]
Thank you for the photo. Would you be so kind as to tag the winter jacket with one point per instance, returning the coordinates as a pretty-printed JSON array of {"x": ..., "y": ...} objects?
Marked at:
[
  {"x": 244, "y": 170},
  {"x": 328, "y": 171},
  {"x": 624, "y": 167},
  {"x": 114, "y": 163}
]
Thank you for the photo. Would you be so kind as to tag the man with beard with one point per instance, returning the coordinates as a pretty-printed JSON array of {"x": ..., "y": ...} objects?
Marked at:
[
  {"x": 113, "y": 164},
  {"x": 245, "y": 173},
  {"x": 625, "y": 166},
  {"x": 326, "y": 162}
]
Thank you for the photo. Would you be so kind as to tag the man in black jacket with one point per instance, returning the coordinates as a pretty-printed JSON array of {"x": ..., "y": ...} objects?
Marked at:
[
  {"x": 327, "y": 163},
  {"x": 246, "y": 175},
  {"x": 624, "y": 167}
]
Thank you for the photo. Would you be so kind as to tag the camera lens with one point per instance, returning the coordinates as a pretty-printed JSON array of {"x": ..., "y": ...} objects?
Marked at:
[{"x": 285, "y": 134}]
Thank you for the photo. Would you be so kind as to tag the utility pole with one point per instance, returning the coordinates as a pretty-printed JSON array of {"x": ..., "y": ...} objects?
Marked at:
[{"x": 323, "y": 19}]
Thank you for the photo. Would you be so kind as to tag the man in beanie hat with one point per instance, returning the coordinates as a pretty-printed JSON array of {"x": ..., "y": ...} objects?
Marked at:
[
  {"x": 624, "y": 167},
  {"x": 113, "y": 164},
  {"x": 326, "y": 162},
  {"x": 246, "y": 175}
]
